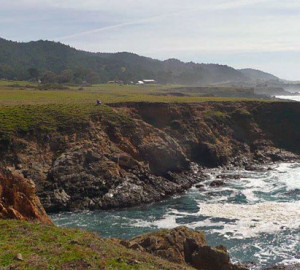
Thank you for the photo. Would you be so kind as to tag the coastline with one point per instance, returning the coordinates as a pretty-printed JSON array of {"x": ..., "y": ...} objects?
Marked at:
[
  {"x": 181, "y": 210},
  {"x": 139, "y": 153}
]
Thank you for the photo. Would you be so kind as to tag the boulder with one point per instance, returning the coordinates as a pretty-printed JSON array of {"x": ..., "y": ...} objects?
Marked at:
[
  {"x": 168, "y": 244},
  {"x": 185, "y": 246},
  {"x": 217, "y": 183},
  {"x": 18, "y": 199},
  {"x": 210, "y": 259}
]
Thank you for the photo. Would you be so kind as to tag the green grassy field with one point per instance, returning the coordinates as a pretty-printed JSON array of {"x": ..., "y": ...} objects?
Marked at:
[
  {"x": 50, "y": 247},
  {"x": 25, "y": 109},
  {"x": 17, "y": 93}
]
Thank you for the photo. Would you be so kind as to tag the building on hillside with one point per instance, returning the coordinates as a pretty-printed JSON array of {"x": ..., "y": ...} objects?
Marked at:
[
  {"x": 115, "y": 82},
  {"x": 149, "y": 81}
]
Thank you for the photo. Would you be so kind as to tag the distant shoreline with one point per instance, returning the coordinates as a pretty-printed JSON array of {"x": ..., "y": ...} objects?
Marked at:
[{"x": 294, "y": 97}]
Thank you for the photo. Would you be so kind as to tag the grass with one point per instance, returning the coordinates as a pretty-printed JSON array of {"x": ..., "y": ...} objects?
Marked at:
[
  {"x": 61, "y": 118},
  {"x": 20, "y": 93},
  {"x": 50, "y": 247},
  {"x": 25, "y": 109},
  {"x": 215, "y": 114}
]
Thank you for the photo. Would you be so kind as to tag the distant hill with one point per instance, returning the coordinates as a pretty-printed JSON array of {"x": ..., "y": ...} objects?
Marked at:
[
  {"x": 17, "y": 58},
  {"x": 257, "y": 75}
]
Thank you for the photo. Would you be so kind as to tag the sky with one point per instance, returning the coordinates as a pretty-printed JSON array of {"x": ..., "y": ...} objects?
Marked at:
[{"x": 260, "y": 34}]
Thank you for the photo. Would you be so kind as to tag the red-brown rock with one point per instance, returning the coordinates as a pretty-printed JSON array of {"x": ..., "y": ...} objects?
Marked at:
[{"x": 18, "y": 199}]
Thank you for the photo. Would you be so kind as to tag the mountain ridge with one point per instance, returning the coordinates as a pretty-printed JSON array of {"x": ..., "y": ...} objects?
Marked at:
[
  {"x": 256, "y": 74},
  {"x": 16, "y": 58}
]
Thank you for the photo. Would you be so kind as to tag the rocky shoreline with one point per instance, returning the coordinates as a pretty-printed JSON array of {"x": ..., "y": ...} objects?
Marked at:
[
  {"x": 141, "y": 153},
  {"x": 184, "y": 246}
]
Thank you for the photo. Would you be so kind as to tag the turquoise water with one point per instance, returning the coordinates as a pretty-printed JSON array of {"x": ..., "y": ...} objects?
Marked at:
[{"x": 257, "y": 216}]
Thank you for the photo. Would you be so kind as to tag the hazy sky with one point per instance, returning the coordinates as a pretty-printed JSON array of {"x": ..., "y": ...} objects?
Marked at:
[{"x": 262, "y": 34}]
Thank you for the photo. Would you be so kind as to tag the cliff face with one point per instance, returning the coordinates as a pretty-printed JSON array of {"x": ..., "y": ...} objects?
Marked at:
[
  {"x": 115, "y": 161},
  {"x": 18, "y": 199},
  {"x": 238, "y": 133},
  {"x": 142, "y": 152}
]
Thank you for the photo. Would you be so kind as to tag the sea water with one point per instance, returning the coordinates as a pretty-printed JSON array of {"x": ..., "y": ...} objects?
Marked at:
[
  {"x": 256, "y": 216},
  {"x": 295, "y": 98}
]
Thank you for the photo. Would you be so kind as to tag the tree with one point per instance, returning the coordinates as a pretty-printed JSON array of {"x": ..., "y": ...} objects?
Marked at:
[
  {"x": 33, "y": 73},
  {"x": 49, "y": 77},
  {"x": 6, "y": 71},
  {"x": 66, "y": 76},
  {"x": 92, "y": 77},
  {"x": 80, "y": 74}
]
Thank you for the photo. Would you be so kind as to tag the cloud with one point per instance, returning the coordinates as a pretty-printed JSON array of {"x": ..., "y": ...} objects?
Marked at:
[
  {"x": 162, "y": 28},
  {"x": 208, "y": 7},
  {"x": 111, "y": 27},
  {"x": 133, "y": 6}
]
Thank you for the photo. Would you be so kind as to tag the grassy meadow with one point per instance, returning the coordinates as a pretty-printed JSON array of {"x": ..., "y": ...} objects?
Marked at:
[
  {"x": 24, "y": 108},
  {"x": 50, "y": 247},
  {"x": 25, "y": 93}
]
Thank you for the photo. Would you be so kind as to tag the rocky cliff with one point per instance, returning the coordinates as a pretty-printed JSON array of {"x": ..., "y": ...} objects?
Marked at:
[
  {"x": 18, "y": 199},
  {"x": 221, "y": 133},
  {"x": 134, "y": 153}
]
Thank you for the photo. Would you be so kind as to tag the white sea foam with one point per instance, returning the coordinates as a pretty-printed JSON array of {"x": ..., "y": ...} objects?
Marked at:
[
  {"x": 289, "y": 175},
  {"x": 295, "y": 98},
  {"x": 246, "y": 221},
  {"x": 242, "y": 220},
  {"x": 255, "y": 209},
  {"x": 168, "y": 221},
  {"x": 251, "y": 220}
]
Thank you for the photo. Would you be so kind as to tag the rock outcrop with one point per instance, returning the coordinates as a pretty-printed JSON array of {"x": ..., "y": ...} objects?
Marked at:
[
  {"x": 182, "y": 245},
  {"x": 18, "y": 199},
  {"x": 221, "y": 133},
  {"x": 137, "y": 153},
  {"x": 285, "y": 267}
]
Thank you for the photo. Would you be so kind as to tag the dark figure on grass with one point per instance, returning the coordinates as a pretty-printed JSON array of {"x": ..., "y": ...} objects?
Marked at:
[{"x": 98, "y": 102}]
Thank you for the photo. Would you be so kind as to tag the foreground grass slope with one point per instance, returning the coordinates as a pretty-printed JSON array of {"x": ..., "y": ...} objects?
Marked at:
[{"x": 50, "y": 247}]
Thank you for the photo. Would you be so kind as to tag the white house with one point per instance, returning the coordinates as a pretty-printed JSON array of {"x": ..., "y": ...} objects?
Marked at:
[{"x": 149, "y": 81}]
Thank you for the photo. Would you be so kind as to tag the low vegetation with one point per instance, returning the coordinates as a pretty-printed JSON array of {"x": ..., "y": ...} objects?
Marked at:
[
  {"x": 34, "y": 246},
  {"x": 25, "y": 108},
  {"x": 17, "y": 93},
  {"x": 215, "y": 114}
]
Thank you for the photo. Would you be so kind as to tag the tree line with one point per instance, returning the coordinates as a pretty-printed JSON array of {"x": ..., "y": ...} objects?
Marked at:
[{"x": 66, "y": 76}]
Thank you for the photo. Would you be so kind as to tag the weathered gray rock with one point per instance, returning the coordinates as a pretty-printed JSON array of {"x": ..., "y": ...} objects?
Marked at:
[
  {"x": 285, "y": 267},
  {"x": 182, "y": 245},
  {"x": 142, "y": 152}
]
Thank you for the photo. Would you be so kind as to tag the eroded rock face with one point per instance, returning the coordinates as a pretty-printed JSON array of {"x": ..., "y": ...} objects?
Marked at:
[
  {"x": 220, "y": 133},
  {"x": 182, "y": 245},
  {"x": 145, "y": 152},
  {"x": 104, "y": 167},
  {"x": 102, "y": 176},
  {"x": 18, "y": 199},
  {"x": 168, "y": 244}
]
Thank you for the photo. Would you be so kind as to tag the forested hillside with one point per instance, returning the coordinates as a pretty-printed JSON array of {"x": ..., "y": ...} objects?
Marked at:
[
  {"x": 254, "y": 74},
  {"x": 61, "y": 63}
]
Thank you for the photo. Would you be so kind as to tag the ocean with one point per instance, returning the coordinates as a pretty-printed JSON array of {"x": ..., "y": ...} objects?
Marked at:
[
  {"x": 295, "y": 98},
  {"x": 255, "y": 214}
]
